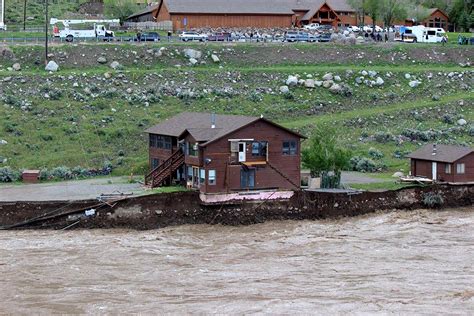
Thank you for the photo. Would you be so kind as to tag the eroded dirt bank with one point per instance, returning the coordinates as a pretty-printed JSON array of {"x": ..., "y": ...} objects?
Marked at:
[{"x": 157, "y": 211}]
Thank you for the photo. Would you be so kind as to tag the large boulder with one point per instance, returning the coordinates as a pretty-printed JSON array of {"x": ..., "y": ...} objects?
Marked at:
[
  {"x": 328, "y": 76},
  {"x": 379, "y": 81},
  {"x": 462, "y": 122},
  {"x": 284, "y": 89},
  {"x": 193, "y": 61},
  {"x": 292, "y": 81},
  {"x": 192, "y": 53},
  {"x": 398, "y": 174},
  {"x": 335, "y": 88},
  {"x": 309, "y": 83},
  {"x": 215, "y": 58},
  {"x": 102, "y": 60},
  {"x": 16, "y": 67},
  {"x": 52, "y": 66},
  {"x": 327, "y": 83},
  {"x": 414, "y": 83},
  {"x": 115, "y": 65}
]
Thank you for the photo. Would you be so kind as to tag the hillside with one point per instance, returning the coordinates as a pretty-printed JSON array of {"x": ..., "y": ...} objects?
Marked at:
[
  {"x": 88, "y": 113},
  {"x": 35, "y": 10}
]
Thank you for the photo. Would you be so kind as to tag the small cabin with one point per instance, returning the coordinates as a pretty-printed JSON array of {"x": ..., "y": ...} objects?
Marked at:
[
  {"x": 223, "y": 154},
  {"x": 443, "y": 163}
]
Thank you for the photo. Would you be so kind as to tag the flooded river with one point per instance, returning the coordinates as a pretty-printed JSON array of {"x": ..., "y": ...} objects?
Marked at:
[{"x": 404, "y": 262}]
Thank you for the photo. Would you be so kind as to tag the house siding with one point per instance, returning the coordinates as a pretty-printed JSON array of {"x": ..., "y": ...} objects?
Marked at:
[
  {"x": 228, "y": 169},
  {"x": 423, "y": 168}
]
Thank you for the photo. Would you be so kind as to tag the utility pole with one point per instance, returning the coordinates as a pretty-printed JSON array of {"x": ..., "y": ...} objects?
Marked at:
[
  {"x": 46, "y": 32},
  {"x": 24, "y": 16}
]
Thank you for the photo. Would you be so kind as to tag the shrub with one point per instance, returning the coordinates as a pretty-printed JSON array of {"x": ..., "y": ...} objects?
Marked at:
[
  {"x": 63, "y": 173},
  {"x": 45, "y": 174},
  {"x": 448, "y": 119},
  {"x": 7, "y": 174},
  {"x": 289, "y": 96},
  {"x": 382, "y": 137},
  {"x": 433, "y": 200},
  {"x": 362, "y": 164},
  {"x": 375, "y": 153},
  {"x": 79, "y": 172}
]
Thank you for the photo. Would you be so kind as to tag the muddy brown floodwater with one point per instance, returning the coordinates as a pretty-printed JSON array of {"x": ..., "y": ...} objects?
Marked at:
[{"x": 402, "y": 262}]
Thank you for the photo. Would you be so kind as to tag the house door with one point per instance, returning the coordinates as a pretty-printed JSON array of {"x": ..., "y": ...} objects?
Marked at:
[
  {"x": 242, "y": 152},
  {"x": 247, "y": 178},
  {"x": 434, "y": 170},
  {"x": 195, "y": 177}
]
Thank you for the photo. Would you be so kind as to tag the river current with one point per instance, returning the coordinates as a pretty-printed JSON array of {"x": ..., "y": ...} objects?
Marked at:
[{"x": 417, "y": 262}]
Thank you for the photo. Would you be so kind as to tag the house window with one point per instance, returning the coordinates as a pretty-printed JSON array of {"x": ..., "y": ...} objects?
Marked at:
[
  {"x": 192, "y": 149},
  {"x": 460, "y": 168},
  {"x": 259, "y": 149},
  {"x": 447, "y": 168},
  {"x": 159, "y": 141},
  {"x": 155, "y": 163},
  {"x": 289, "y": 147},
  {"x": 202, "y": 176},
  {"x": 211, "y": 177}
]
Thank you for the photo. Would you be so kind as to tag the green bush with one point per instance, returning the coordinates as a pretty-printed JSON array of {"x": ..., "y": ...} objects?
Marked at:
[
  {"x": 375, "y": 153},
  {"x": 432, "y": 199},
  {"x": 362, "y": 164},
  {"x": 7, "y": 174},
  {"x": 383, "y": 137},
  {"x": 62, "y": 173}
]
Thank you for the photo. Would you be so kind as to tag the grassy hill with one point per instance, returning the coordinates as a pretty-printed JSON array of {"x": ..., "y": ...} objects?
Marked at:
[
  {"x": 88, "y": 113},
  {"x": 35, "y": 10}
]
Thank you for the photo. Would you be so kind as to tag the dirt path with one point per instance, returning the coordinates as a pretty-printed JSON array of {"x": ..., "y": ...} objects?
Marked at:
[{"x": 69, "y": 190}]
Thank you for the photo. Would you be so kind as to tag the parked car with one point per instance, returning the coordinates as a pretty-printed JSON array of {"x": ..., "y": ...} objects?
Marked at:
[
  {"x": 298, "y": 36},
  {"x": 311, "y": 26},
  {"x": 324, "y": 37},
  {"x": 368, "y": 29},
  {"x": 219, "y": 37},
  {"x": 192, "y": 36},
  {"x": 353, "y": 28},
  {"x": 325, "y": 28},
  {"x": 147, "y": 37}
]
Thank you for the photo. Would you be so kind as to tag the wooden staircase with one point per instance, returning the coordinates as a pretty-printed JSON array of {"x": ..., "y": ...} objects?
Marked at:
[{"x": 164, "y": 171}]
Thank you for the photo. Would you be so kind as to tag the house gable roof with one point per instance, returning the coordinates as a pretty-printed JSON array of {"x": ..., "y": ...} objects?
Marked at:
[
  {"x": 310, "y": 14},
  {"x": 147, "y": 10},
  {"x": 283, "y": 7},
  {"x": 434, "y": 10},
  {"x": 444, "y": 153},
  {"x": 199, "y": 126}
]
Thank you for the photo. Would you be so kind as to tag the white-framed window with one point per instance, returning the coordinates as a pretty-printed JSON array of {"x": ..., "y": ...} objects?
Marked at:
[
  {"x": 211, "y": 177},
  {"x": 460, "y": 168},
  {"x": 447, "y": 168},
  {"x": 202, "y": 176}
]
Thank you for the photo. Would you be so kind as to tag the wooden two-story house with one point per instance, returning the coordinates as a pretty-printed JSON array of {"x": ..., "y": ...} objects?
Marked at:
[{"x": 218, "y": 154}]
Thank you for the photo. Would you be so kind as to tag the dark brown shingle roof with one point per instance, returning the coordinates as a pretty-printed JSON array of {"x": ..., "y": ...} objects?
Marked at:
[
  {"x": 147, "y": 10},
  {"x": 176, "y": 125},
  {"x": 444, "y": 153},
  {"x": 199, "y": 125}
]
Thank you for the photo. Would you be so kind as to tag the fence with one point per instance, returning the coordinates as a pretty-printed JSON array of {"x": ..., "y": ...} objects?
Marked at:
[{"x": 162, "y": 26}]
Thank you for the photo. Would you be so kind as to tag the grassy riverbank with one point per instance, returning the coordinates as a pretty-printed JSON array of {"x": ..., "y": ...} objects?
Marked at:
[{"x": 88, "y": 113}]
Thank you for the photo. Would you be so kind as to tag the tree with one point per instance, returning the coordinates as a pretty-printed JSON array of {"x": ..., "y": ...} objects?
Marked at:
[
  {"x": 372, "y": 7},
  {"x": 119, "y": 9},
  {"x": 418, "y": 13},
  {"x": 358, "y": 6},
  {"x": 324, "y": 154},
  {"x": 391, "y": 11}
]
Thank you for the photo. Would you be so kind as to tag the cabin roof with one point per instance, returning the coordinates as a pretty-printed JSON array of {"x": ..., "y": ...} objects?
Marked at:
[
  {"x": 147, "y": 10},
  {"x": 285, "y": 7},
  {"x": 444, "y": 153},
  {"x": 199, "y": 125}
]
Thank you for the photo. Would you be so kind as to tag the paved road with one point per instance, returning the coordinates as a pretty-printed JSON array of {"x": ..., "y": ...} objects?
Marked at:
[
  {"x": 358, "y": 177},
  {"x": 68, "y": 190}
]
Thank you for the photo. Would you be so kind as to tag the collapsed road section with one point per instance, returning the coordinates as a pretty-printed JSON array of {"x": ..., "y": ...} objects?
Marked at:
[{"x": 161, "y": 210}]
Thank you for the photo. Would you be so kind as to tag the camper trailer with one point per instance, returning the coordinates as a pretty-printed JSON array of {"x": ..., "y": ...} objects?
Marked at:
[{"x": 420, "y": 34}]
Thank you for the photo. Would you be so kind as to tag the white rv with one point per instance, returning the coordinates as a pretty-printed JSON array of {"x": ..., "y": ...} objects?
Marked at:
[{"x": 421, "y": 34}]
